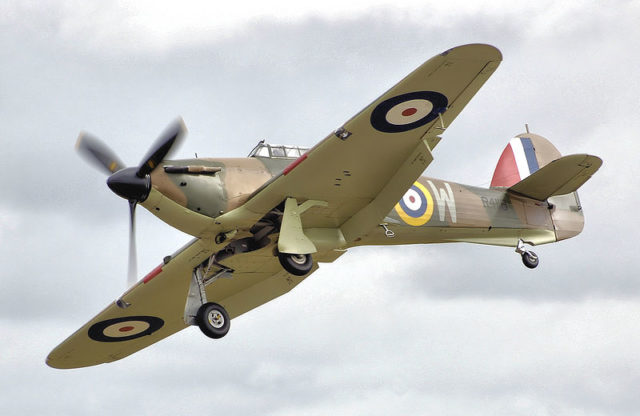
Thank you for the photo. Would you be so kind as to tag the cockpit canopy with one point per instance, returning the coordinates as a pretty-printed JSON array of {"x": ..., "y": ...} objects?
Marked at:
[{"x": 277, "y": 151}]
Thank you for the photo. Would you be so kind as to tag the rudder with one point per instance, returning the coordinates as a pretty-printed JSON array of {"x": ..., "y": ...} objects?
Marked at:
[{"x": 525, "y": 154}]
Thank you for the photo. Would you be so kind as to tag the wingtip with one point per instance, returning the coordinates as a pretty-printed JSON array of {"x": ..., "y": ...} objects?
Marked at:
[
  {"x": 52, "y": 363},
  {"x": 475, "y": 51},
  {"x": 64, "y": 363}
]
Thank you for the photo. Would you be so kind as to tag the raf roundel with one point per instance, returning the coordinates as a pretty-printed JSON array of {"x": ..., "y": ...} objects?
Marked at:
[
  {"x": 125, "y": 328},
  {"x": 416, "y": 206},
  {"x": 408, "y": 111}
]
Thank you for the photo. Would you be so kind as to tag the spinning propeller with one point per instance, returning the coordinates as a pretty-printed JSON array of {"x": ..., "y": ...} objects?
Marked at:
[{"x": 130, "y": 183}]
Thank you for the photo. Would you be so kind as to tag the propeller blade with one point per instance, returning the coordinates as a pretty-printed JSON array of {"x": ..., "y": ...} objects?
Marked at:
[
  {"x": 132, "y": 184},
  {"x": 98, "y": 154},
  {"x": 162, "y": 147},
  {"x": 132, "y": 272}
]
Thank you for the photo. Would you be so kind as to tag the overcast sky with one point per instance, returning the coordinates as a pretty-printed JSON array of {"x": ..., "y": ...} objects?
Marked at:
[{"x": 433, "y": 329}]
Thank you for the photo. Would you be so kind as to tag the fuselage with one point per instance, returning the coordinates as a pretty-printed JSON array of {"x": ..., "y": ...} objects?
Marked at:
[{"x": 190, "y": 194}]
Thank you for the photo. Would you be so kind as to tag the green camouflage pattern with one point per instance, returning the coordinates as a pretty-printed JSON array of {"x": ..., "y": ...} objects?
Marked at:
[{"x": 460, "y": 213}]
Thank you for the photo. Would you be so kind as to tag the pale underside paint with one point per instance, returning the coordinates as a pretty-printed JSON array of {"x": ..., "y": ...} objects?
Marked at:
[{"x": 358, "y": 191}]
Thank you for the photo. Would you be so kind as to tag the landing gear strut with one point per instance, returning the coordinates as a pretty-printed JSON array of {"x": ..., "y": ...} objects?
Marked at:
[
  {"x": 212, "y": 318},
  {"x": 529, "y": 258}
]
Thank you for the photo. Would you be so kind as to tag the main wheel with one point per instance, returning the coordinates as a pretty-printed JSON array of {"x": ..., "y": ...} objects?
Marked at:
[
  {"x": 530, "y": 259},
  {"x": 213, "y": 320},
  {"x": 296, "y": 264}
]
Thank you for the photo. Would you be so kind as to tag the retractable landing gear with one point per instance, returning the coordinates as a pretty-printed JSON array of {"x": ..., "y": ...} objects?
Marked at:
[
  {"x": 529, "y": 258},
  {"x": 296, "y": 264},
  {"x": 212, "y": 318}
]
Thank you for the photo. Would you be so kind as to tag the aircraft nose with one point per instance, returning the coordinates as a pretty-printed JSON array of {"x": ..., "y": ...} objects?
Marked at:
[{"x": 127, "y": 184}]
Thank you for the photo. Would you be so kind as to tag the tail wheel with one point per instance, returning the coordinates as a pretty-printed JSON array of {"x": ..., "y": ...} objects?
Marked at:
[
  {"x": 213, "y": 320},
  {"x": 296, "y": 264},
  {"x": 530, "y": 259}
]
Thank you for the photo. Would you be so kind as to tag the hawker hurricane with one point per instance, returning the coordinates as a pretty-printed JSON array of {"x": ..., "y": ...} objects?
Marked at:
[{"x": 262, "y": 224}]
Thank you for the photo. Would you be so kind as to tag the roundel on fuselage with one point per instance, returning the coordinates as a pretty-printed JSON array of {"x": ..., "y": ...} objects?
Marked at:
[{"x": 416, "y": 206}]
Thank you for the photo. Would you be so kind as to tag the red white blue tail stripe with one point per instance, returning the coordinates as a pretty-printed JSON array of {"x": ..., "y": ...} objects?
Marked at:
[{"x": 518, "y": 160}]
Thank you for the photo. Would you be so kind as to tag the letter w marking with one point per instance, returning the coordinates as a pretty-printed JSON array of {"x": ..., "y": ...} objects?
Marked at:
[{"x": 444, "y": 197}]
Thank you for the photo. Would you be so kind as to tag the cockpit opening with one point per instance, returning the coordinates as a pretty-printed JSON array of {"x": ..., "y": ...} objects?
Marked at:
[{"x": 277, "y": 151}]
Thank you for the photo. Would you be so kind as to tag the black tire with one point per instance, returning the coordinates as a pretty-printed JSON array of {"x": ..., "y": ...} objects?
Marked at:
[
  {"x": 530, "y": 259},
  {"x": 213, "y": 320},
  {"x": 296, "y": 264},
  {"x": 220, "y": 238}
]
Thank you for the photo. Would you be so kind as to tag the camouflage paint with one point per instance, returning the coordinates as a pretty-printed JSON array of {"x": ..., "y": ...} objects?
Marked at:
[
  {"x": 458, "y": 212},
  {"x": 213, "y": 194}
]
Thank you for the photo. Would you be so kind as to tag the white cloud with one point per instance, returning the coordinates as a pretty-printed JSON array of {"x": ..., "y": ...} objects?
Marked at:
[
  {"x": 445, "y": 356},
  {"x": 134, "y": 27},
  {"x": 455, "y": 329},
  {"x": 9, "y": 222}
]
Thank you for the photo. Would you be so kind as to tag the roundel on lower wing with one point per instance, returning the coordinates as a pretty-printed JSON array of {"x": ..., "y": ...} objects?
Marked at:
[
  {"x": 125, "y": 328},
  {"x": 416, "y": 206},
  {"x": 408, "y": 111}
]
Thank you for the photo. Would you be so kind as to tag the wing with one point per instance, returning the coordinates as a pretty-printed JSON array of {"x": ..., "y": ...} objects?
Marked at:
[
  {"x": 362, "y": 169},
  {"x": 155, "y": 306}
]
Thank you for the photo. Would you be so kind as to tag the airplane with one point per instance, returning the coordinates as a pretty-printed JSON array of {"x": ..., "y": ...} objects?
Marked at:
[{"x": 263, "y": 223}]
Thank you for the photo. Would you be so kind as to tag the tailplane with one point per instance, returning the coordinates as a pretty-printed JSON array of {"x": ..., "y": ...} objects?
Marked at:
[{"x": 560, "y": 177}]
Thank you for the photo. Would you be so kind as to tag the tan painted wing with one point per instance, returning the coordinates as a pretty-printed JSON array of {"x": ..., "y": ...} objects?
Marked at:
[
  {"x": 258, "y": 278},
  {"x": 363, "y": 169}
]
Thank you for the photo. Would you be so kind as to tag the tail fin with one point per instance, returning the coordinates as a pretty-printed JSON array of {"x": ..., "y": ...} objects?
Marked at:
[{"x": 524, "y": 155}]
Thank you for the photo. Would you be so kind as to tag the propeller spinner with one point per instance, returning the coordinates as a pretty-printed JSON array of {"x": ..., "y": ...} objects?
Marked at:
[{"x": 130, "y": 183}]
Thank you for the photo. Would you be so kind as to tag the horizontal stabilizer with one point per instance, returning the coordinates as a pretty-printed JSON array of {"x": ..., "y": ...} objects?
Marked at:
[{"x": 562, "y": 176}]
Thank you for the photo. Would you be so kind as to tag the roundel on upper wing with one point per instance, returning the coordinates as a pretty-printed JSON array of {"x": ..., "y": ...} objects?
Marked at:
[
  {"x": 125, "y": 328},
  {"x": 408, "y": 111},
  {"x": 416, "y": 206}
]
